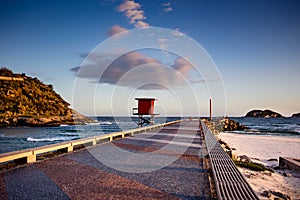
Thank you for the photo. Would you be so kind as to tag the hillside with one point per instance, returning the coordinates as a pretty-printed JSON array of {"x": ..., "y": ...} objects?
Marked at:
[
  {"x": 263, "y": 114},
  {"x": 27, "y": 101}
]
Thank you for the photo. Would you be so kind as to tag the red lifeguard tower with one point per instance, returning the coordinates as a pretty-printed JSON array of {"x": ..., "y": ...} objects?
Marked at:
[{"x": 145, "y": 107}]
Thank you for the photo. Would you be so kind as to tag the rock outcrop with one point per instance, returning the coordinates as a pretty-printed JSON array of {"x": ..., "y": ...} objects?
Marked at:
[
  {"x": 263, "y": 114},
  {"x": 224, "y": 124},
  {"x": 296, "y": 115},
  {"x": 26, "y": 101},
  {"x": 231, "y": 125}
]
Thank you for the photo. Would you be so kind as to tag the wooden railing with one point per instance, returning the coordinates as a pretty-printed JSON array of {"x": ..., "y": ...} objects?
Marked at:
[{"x": 31, "y": 154}]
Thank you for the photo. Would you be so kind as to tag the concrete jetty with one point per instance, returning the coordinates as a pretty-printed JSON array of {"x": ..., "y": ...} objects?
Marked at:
[{"x": 164, "y": 163}]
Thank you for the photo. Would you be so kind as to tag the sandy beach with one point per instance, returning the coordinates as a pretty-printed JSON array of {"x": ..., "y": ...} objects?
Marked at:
[{"x": 261, "y": 149}]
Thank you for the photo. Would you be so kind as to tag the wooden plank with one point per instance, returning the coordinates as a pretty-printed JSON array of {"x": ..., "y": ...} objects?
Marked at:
[
  {"x": 83, "y": 141},
  {"x": 51, "y": 147},
  {"x": 15, "y": 155}
]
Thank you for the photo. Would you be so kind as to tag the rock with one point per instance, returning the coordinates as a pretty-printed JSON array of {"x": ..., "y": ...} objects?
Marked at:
[
  {"x": 268, "y": 173},
  {"x": 244, "y": 158},
  {"x": 287, "y": 174},
  {"x": 266, "y": 193},
  {"x": 234, "y": 156},
  {"x": 263, "y": 114},
  {"x": 273, "y": 159},
  {"x": 271, "y": 194},
  {"x": 296, "y": 115},
  {"x": 281, "y": 195},
  {"x": 277, "y": 168},
  {"x": 231, "y": 125}
]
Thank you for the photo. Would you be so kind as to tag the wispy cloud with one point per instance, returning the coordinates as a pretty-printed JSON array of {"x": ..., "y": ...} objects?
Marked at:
[
  {"x": 132, "y": 10},
  {"x": 167, "y": 7}
]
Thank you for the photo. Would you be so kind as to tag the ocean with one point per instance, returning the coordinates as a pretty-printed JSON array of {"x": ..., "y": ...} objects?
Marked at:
[
  {"x": 270, "y": 126},
  {"x": 18, "y": 138}
]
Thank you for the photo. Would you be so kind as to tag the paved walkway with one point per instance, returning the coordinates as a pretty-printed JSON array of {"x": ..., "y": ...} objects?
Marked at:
[{"x": 160, "y": 164}]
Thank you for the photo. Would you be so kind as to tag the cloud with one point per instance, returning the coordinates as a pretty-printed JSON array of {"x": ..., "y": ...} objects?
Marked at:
[
  {"x": 167, "y": 7},
  {"x": 141, "y": 24},
  {"x": 115, "y": 30},
  {"x": 134, "y": 69},
  {"x": 128, "y": 5},
  {"x": 183, "y": 66},
  {"x": 177, "y": 33},
  {"x": 132, "y": 10},
  {"x": 163, "y": 43},
  {"x": 115, "y": 70},
  {"x": 135, "y": 15}
]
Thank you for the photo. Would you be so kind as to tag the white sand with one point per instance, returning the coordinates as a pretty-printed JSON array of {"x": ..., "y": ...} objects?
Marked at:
[{"x": 260, "y": 149}]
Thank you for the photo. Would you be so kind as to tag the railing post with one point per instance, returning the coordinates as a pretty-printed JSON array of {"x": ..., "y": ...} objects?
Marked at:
[{"x": 31, "y": 158}]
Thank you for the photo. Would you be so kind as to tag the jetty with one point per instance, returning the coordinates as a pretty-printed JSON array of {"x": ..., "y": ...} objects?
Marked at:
[{"x": 175, "y": 160}]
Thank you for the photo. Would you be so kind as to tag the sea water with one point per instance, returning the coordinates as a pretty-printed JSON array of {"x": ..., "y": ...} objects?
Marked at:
[
  {"x": 270, "y": 126},
  {"x": 18, "y": 138}
]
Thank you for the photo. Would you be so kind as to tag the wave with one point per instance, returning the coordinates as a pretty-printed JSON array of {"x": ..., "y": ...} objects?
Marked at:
[
  {"x": 268, "y": 132},
  {"x": 63, "y": 125},
  {"x": 106, "y": 122},
  {"x": 100, "y": 123},
  {"x": 31, "y": 139},
  {"x": 68, "y": 135},
  {"x": 93, "y": 123}
]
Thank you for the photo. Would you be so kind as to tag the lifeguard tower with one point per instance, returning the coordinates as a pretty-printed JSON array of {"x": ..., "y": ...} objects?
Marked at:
[{"x": 145, "y": 107}]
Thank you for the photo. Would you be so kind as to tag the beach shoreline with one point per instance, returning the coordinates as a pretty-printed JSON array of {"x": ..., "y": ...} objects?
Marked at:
[{"x": 266, "y": 150}]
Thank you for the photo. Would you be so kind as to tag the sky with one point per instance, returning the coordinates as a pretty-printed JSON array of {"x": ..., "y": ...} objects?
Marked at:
[{"x": 101, "y": 54}]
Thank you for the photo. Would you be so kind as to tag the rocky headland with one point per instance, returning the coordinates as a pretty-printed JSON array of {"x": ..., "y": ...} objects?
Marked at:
[
  {"x": 26, "y": 101},
  {"x": 263, "y": 114},
  {"x": 296, "y": 115}
]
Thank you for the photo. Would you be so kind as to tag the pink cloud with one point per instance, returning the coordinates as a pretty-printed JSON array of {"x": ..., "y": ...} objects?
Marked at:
[
  {"x": 132, "y": 10},
  {"x": 141, "y": 24},
  {"x": 135, "y": 15},
  {"x": 182, "y": 66},
  {"x": 115, "y": 30},
  {"x": 128, "y": 5}
]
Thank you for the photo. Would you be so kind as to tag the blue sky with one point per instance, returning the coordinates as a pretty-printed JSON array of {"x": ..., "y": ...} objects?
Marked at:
[{"x": 255, "y": 45}]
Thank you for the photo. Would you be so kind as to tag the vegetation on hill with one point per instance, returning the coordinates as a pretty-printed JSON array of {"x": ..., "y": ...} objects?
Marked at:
[
  {"x": 29, "y": 97},
  {"x": 25, "y": 97}
]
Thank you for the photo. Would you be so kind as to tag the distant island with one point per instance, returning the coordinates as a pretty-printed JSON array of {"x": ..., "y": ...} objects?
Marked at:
[
  {"x": 26, "y": 101},
  {"x": 296, "y": 115},
  {"x": 263, "y": 114}
]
